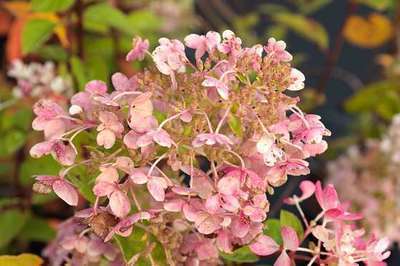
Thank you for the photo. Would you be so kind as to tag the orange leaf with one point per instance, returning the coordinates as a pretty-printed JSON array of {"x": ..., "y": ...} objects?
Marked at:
[
  {"x": 18, "y": 8},
  {"x": 13, "y": 46},
  {"x": 5, "y": 22},
  {"x": 369, "y": 32}
]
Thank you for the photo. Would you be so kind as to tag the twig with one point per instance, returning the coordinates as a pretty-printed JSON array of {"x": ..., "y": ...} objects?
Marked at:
[
  {"x": 79, "y": 28},
  {"x": 333, "y": 54}
]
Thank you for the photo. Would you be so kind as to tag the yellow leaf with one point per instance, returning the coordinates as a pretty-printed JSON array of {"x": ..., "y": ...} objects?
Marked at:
[
  {"x": 61, "y": 33},
  {"x": 24, "y": 259},
  {"x": 369, "y": 32},
  {"x": 59, "y": 30},
  {"x": 17, "y": 8}
]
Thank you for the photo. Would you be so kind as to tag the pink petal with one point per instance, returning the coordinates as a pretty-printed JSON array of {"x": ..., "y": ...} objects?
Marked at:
[
  {"x": 290, "y": 239},
  {"x": 283, "y": 260},
  {"x": 194, "y": 41},
  {"x": 64, "y": 153},
  {"x": 212, "y": 204},
  {"x": 223, "y": 241},
  {"x": 138, "y": 176},
  {"x": 210, "y": 82},
  {"x": 40, "y": 149},
  {"x": 108, "y": 174},
  {"x": 223, "y": 91},
  {"x": 239, "y": 228},
  {"x": 96, "y": 87},
  {"x": 102, "y": 189},
  {"x": 66, "y": 192},
  {"x": 208, "y": 224},
  {"x": 119, "y": 203},
  {"x": 106, "y": 138},
  {"x": 174, "y": 205},
  {"x": 228, "y": 185},
  {"x": 264, "y": 246},
  {"x": 230, "y": 203},
  {"x": 307, "y": 188},
  {"x": 162, "y": 138},
  {"x": 130, "y": 140},
  {"x": 54, "y": 129},
  {"x": 156, "y": 189}
]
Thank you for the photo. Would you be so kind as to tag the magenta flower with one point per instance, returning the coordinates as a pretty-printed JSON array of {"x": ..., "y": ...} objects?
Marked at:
[
  {"x": 60, "y": 186},
  {"x": 139, "y": 49}
]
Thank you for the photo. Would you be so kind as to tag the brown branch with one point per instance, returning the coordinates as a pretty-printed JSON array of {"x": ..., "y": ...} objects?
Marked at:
[
  {"x": 79, "y": 28},
  {"x": 333, "y": 54}
]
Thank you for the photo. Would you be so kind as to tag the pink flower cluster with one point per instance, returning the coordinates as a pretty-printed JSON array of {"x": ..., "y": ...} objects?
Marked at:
[
  {"x": 368, "y": 177},
  {"x": 190, "y": 147},
  {"x": 38, "y": 80},
  {"x": 338, "y": 241}
]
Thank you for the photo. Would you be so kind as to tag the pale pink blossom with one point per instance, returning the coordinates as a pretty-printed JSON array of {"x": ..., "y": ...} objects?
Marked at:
[
  {"x": 170, "y": 56},
  {"x": 276, "y": 51},
  {"x": 139, "y": 49},
  {"x": 203, "y": 43},
  {"x": 211, "y": 139}
]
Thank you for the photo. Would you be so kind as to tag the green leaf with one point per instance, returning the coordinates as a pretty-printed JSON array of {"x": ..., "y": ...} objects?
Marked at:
[
  {"x": 11, "y": 223},
  {"x": 145, "y": 22},
  {"x": 305, "y": 27},
  {"x": 97, "y": 68},
  {"x": 279, "y": 32},
  {"x": 291, "y": 220},
  {"x": 272, "y": 228},
  {"x": 42, "y": 166},
  {"x": 271, "y": 9},
  {"x": 12, "y": 141},
  {"x": 240, "y": 255},
  {"x": 378, "y": 4},
  {"x": 24, "y": 259},
  {"x": 310, "y": 6},
  {"x": 160, "y": 116},
  {"x": 78, "y": 70},
  {"x": 53, "y": 52},
  {"x": 101, "y": 17},
  {"x": 19, "y": 119},
  {"x": 35, "y": 33},
  {"x": 138, "y": 242},
  {"x": 51, "y": 5},
  {"x": 236, "y": 125},
  {"x": 381, "y": 97},
  {"x": 37, "y": 229}
]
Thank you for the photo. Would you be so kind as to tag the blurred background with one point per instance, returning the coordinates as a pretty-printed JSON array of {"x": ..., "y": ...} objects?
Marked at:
[{"x": 349, "y": 51}]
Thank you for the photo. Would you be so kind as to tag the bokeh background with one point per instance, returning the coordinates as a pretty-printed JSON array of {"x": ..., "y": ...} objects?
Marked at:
[{"x": 349, "y": 51}]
